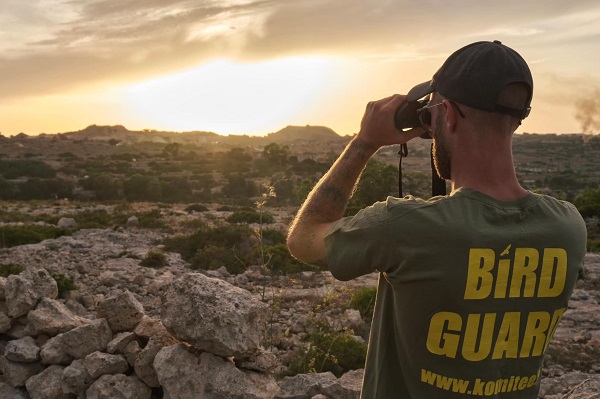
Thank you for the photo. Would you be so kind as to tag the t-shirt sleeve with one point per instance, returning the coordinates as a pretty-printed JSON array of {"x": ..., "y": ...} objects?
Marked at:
[{"x": 360, "y": 244}]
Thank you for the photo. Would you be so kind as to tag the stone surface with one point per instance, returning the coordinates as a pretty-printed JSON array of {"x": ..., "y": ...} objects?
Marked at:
[
  {"x": 148, "y": 327},
  {"x": 178, "y": 372},
  {"x": 52, "y": 317},
  {"x": 305, "y": 386},
  {"x": 213, "y": 315},
  {"x": 118, "y": 386},
  {"x": 75, "y": 378},
  {"x": 23, "y": 291},
  {"x": 47, "y": 384},
  {"x": 144, "y": 363},
  {"x": 122, "y": 312},
  {"x": 223, "y": 380},
  {"x": 24, "y": 350},
  {"x": 9, "y": 392},
  {"x": 81, "y": 341},
  {"x": 54, "y": 352},
  {"x": 120, "y": 342},
  {"x": 67, "y": 223},
  {"x": 16, "y": 374},
  {"x": 100, "y": 363}
]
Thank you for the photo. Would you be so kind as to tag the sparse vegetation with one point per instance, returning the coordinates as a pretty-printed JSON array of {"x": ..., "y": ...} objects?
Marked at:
[
  {"x": 6, "y": 269},
  {"x": 13, "y": 235},
  {"x": 154, "y": 259},
  {"x": 363, "y": 300},
  {"x": 64, "y": 283}
]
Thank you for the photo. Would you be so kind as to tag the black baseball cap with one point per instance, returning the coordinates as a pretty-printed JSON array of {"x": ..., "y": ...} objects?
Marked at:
[{"x": 475, "y": 76}]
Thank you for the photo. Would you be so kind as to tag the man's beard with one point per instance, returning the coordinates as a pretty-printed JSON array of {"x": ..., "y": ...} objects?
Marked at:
[{"x": 442, "y": 158}]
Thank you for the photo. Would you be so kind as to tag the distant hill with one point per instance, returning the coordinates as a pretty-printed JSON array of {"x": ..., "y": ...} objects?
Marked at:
[
  {"x": 303, "y": 133},
  {"x": 287, "y": 135}
]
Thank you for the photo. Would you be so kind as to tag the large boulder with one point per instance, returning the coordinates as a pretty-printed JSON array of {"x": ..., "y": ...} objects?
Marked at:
[
  {"x": 184, "y": 374},
  {"x": 214, "y": 316},
  {"x": 23, "y": 291},
  {"x": 75, "y": 378},
  {"x": 122, "y": 312},
  {"x": 9, "y": 392},
  {"x": 305, "y": 386},
  {"x": 51, "y": 317},
  {"x": 144, "y": 362},
  {"x": 100, "y": 363},
  {"x": 47, "y": 384},
  {"x": 118, "y": 386},
  {"x": 23, "y": 350},
  {"x": 77, "y": 343},
  {"x": 16, "y": 374}
]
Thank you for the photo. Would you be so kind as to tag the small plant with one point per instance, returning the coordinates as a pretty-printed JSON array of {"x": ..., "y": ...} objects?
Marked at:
[
  {"x": 250, "y": 216},
  {"x": 196, "y": 208},
  {"x": 154, "y": 259},
  {"x": 327, "y": 350},
  {"x": 12, "y": 236},
  {"x": 6, "y": 269},
  {"x": 64, "y": 283},
  {"x": 363, "y": 300}
]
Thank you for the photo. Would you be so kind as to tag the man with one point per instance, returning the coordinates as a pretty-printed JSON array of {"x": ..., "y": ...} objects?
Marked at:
[{"x": 472, "y": 285}]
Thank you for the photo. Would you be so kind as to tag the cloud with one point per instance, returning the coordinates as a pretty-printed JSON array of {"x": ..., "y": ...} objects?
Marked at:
[{"x": 55, "y": 45}]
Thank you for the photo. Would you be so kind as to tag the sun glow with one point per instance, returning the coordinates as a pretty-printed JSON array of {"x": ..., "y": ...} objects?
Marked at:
[{"x": 228, "y": 97}]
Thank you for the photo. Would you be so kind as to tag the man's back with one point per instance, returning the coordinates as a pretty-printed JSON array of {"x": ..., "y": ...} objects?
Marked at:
[{"x": 471, "y": 291}]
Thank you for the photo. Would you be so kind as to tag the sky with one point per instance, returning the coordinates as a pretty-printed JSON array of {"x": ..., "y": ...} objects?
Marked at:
[{"x": 256, "y": 66}]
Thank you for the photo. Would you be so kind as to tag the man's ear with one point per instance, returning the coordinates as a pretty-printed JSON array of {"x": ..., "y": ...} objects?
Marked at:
[{"x": 451, "y": 116}]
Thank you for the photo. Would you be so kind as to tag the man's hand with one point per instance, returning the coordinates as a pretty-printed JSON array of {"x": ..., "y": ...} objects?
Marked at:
[
  {"x": 328, "y": 200},
  {"x": 377, "y": 127}
]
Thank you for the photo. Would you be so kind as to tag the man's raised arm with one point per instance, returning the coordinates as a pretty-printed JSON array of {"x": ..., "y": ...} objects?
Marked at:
[{"x": 327, "y": 202}]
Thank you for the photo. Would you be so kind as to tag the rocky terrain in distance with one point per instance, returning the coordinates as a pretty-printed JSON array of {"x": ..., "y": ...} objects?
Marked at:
[{"x": 172, "y": 332}]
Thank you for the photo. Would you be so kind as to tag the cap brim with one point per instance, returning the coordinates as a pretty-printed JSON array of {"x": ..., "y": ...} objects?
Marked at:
[{"x": 420, "y": 91}]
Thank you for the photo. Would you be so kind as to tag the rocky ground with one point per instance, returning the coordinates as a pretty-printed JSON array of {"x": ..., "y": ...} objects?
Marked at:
[{"x": 105, "y": 263}]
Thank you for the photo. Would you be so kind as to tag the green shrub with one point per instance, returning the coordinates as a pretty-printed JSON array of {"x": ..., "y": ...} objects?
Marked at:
[
  {"x": 64, "y": 283},
  {"x": 12, "y": 236},
  {"x": 363, "y": 300},
  {"x": 150, "y": 219},
  {"x": 212, "y": 257},
  {"x": 280, "y": 261},
  {"x": 6, "y": 269},
  {"x": 222, "y": 235},
  {"x": 196, "y": 208},
  {"x": 593, "y": 245},
  {"x": 98, "y": 219},
  {"x": 326, "y": 350},
  {"x": 154, "y": 259},
  {"x": 250, "y": 216}
]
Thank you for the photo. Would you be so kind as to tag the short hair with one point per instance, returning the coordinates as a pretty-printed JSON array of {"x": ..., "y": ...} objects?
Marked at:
[{"x": 515, "y": 96}]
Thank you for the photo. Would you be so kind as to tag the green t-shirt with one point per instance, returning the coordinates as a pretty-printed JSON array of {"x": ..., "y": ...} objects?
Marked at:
[{"x": 471, "y": 290}]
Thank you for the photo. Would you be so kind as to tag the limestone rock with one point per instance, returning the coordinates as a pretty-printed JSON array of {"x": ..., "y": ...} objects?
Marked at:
[
  {"x": 118, "y": 386},
  {"x": 5, "y": 323},
  {"x": 148, "y": 327},
  {"x": 223, "y": 380},
  {"x": 120, "y": 342},
  {"x": 75, "y": 378},
  {"x": 54, "y": 352},
  {"x": 99, "y": 363},
  {"x": 215, "y": 316},
  {"x": 132, "y": 221},
  {"x": 178, "y": 371},
  {"x": 83, "y": 340},
  {"x": 263, "y": 361},
  {"x": 23, "y": 350},
  {"x": 67, "y": 223},
  {"x": 144, "y": 364},
  {"x": 47, "y": 384},
  {"x": 305, "y": 386},
  {"x": 348, "y": 386},
  {"x": 122, "y": 312},
  {"x": 25, "y": 290},
  {"x": 132, "y": 352},
  {"x": 16, "y": 374},
  {"x": 9, "y": 392},
  {"x": 2, "y": 288},
  {"x": 52, "y": 317}
]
